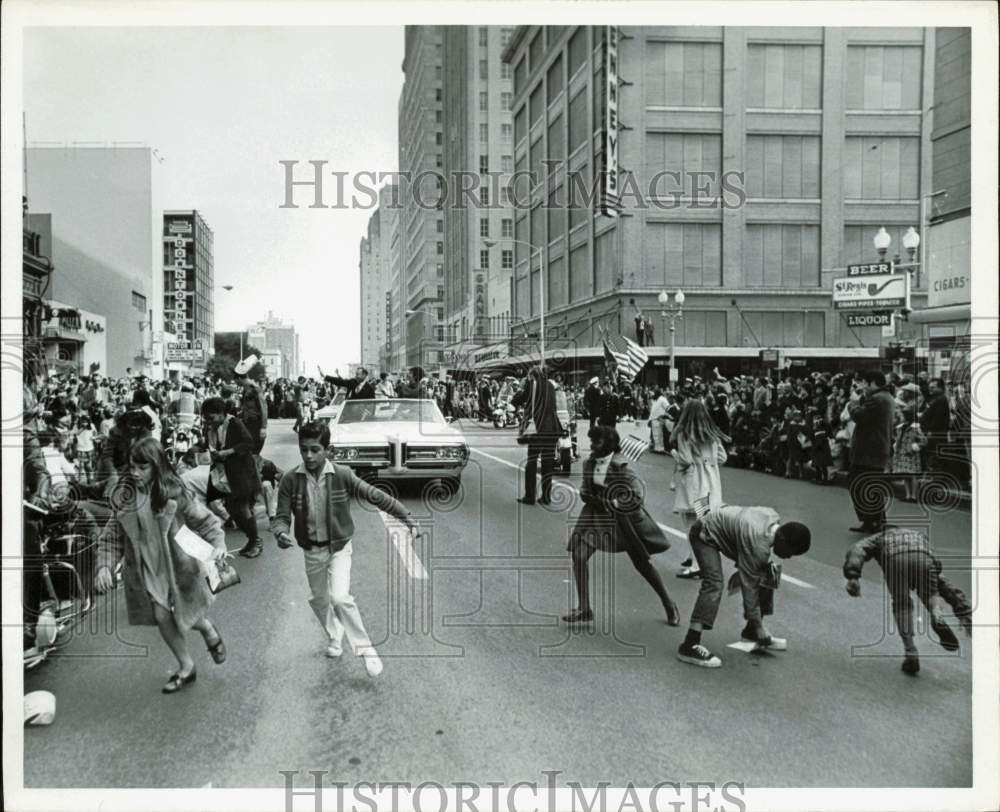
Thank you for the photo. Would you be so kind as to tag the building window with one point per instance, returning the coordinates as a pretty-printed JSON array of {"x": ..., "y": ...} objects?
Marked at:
[
  {"x": 520, "y": 74},
  {"x": 440, "y": 269},
  {"x": 484, "y": 133},
  {"x": 505, "y": 35},
  {"x": 440, "y": 226},
  {"x": 484, "y": 259},
  {"x": 521, "y": 123},
  {"x": 505, "y": 71},
  {"x": 139, "y": 302},
  {"x": 883, "y": 77},
  {"x": 554, "y": 82},
  {"x": 484, "y": 69},
  {"x": 438, "y": 161},
  {"x": 782, "y": 166},
  {"x": 507, "y": 228},
  {"x": 484, "y": 101},
  {"x": 438, "y": 138},
  {"x": 484, "y": 36},
  {"x": 437, "y": 71},
  {"x": 507, "y": 259},
  {"x": 506, "y": 133},
  {"x": 507, "y": 163},
  {"x": 577, "y": 120},
  {"x": 684, "y": 154},
  {"x": 535, "y": 51},
  {"x": 484, "y": 226},
  {"x": 796, "y": 263},
  {"x": 506, "y": 100},
  {"x": 484, "y": 196},
  {"x": 881, "y": 168},
  {"x": 484, "y": 164},
  {"x": 440, "y": 247},
  {"x": 684, "y": 74},
  {"x": 438, "y": 116},
  {"x": 786, "y": 76},
  {"x": 536, "y": 105},
  {"x": 577, "y": 50},
  {"x": 438, "y": 94}
]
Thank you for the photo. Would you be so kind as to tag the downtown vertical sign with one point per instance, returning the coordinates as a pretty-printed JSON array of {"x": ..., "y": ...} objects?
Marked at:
[
  {"x": 609, "y": 189},
  {"x": 178, "y": 283}
]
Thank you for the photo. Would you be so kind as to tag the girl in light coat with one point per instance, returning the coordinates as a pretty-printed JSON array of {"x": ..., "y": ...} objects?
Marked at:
[
  {"x": 698, "y": 451},
  {"x": 164, "y": 586}
]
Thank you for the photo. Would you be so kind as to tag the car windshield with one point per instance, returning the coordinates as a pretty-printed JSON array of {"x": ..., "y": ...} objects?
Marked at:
[{"x": 385, "y": 411}]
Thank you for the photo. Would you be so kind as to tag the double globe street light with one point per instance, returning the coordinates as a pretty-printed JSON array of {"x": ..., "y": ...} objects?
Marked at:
[{"x": 673, "y": 311}]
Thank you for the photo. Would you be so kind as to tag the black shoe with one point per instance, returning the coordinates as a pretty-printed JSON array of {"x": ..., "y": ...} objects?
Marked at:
[
  {"x": 750, "y": 635},
  {"x": 911, "y": 664},
  {"x": 687, "y": 562},
  {"x": 579, "y": 616},
  {"x": 176, "y": 682},
  {"x": 252, "y": 550},
  {"x": 545, "y": 500},
  {"x": 525, "y": 501},
  {"x": 217, "y": 649},
  {"x": 946, "y": 637},
  {"x": 863, "y": 528}
]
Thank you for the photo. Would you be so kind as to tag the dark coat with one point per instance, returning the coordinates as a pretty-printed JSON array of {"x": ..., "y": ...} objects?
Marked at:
[
  {"x": 592, "y": 398},
  {"x": 615, "y": 527},
  {"x": 544, "y": 408},
  {"x": 610, "y": 408},
  {"x": 356, "y": 389},
  {"x": 241, "y": 470},
  {"x": 935, "y": 420},
  {"x": 871, "y": 444}
]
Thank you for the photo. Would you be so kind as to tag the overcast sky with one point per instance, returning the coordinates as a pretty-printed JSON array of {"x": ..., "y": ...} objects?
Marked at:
[{"x": 223, "y": 106}]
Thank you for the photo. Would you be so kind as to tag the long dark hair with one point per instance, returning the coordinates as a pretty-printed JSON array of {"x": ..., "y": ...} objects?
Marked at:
[
  {"x": 165, "y": 483},
  {"x": 696, "y": 425}
]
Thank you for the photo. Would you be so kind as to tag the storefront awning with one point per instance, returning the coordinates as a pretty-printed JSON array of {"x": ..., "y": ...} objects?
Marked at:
[{"x": 932, "y": 315}]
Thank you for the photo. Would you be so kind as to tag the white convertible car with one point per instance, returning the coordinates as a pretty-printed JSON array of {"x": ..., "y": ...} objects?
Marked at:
[{"x": 400, "y": 438}]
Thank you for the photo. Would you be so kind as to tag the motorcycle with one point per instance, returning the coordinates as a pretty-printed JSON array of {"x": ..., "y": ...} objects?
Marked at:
[
  {"x": 59, "y": 575},
  {"x": 505, "y": 415}
]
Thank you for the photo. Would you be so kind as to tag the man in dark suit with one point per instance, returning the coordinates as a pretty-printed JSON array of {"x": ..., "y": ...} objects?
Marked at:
[
  {"x": 538, "y": 397},
  {"x": 934, "y": 422},
  {"x": 358, "y": 388},
  {"x": 610, "y": 407},
  {"x": 872, "y": 408},
  {"x": 592, "y": 400}
]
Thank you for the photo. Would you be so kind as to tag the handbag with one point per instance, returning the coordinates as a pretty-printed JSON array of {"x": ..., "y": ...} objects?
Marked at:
[
  {"x": 220, "y": 575},
  {"x": 220, "y": 481}
]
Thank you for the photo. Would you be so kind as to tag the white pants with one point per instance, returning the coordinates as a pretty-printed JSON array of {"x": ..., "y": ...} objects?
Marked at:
[{"x": 329, "y": 577}]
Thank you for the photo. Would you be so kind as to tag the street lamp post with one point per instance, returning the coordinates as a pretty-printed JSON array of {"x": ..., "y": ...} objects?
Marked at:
[
  {"x": 668, "y": 310},
  {"x": 542, "y": 281}
]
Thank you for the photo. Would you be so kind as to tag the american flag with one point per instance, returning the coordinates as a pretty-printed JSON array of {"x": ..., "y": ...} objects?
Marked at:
[
  {"x": 629, "y": 360},
  {"x": 633, "y": 447}
]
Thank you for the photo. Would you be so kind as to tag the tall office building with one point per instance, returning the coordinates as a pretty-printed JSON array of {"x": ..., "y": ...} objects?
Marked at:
[
  {"x": 106, "y": 220},
  {"x": 421, "y": 228},
  {"x": 377, "y": 285},
  {"x": 274, "y": 334},
  {"x": 478, "y": 258},
  {"x": 388, "y": 274},
  {"x": 752, "y": 165},
  {"x": 188, "y": 290}
]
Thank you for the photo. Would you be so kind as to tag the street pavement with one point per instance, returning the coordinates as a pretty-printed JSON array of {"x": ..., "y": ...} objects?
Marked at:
[{"x": 482, "y": 681}]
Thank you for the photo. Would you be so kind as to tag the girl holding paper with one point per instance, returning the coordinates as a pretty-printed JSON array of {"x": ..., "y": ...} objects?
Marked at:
[{"x": 165, "y": 585}]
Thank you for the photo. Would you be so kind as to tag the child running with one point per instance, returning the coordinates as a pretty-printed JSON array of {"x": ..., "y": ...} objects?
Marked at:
[
  {"x": 908, "y": 563},
  {"x": 317, "y": 495}
]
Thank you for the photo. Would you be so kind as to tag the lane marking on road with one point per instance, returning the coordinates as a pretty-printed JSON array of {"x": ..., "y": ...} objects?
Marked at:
[
  {"x": 400, "y": 536},
  {"x": 665, "y": 528}
]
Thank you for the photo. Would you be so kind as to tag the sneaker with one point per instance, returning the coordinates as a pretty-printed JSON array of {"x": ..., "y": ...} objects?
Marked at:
[
  {"x": 697, "y": 655},
  {"x": 911, "y": 664},
  {"x": 252, "y": 549},
  {"x": 334, "y": 650},
  {"x": 689, "y": 573},
  {"x": 946, "y": 637},
  {"x": 373, "y": 663}
]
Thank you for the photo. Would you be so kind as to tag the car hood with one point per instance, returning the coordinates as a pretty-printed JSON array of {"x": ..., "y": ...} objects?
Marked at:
[{"x": 384, "y": 432}]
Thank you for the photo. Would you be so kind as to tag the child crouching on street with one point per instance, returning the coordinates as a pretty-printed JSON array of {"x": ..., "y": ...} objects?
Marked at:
[
  {"x": 317, "y": 495},
  {"x": 908, "y": 563}
]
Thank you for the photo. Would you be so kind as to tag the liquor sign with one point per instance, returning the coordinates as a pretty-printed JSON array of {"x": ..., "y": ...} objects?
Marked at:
[
  {"x": 609, "y": 191},
  {"x": 178, "y": 241},
  {"x": 870, "y": 269},
  {"x": 869, "y": 319},
  {"x": 875, "y": 292}
]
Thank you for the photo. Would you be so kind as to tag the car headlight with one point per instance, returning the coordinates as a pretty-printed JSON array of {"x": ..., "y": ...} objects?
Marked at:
[{"x": 344, "y": 453}]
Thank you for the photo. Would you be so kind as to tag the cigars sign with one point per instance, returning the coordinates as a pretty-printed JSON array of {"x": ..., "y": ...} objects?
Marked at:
[{"x": 178, "y": 276}]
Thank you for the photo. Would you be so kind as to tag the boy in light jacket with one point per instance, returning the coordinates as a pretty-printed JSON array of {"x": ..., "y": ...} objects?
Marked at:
[{"x": 317, "y": 495}]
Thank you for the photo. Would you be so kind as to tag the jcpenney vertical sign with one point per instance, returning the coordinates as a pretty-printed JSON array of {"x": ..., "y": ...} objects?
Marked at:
[
  {"x": 178, "y": 236},
  {"x": 609, "y": 198}
]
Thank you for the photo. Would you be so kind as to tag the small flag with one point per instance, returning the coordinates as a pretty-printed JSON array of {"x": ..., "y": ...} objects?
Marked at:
[
  {"x": 633, "y": 447},
  {"x": 637, "y": 356}
]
